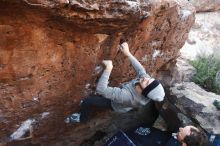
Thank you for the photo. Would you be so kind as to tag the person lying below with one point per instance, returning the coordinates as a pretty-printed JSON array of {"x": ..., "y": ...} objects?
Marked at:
[
  {"x": 146, "y": 135},
  {"x": 175, "y": 135},
  {"x": 150, "y": 136},
  {"x": 185, "y": 136}
]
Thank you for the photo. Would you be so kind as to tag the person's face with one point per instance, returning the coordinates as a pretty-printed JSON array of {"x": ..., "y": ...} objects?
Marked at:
[
  {"x": 145, "y": 81},
  {"x": 185, "y": 131}
]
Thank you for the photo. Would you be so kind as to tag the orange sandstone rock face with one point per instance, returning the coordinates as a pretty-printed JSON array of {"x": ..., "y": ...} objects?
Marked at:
[{"x": 51, "y": 53}]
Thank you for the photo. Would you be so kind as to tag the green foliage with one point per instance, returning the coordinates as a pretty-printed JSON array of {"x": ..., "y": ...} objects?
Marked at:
[{"x": 207, "y": 68}]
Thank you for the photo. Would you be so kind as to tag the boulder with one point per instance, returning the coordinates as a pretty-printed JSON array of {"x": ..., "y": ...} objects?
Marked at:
[
  {"x": 205, "y": 5},
  {"x": 196, "y": 104},
  {"x": 177, "y": 71},
  {"x": 50, "y": 55}
]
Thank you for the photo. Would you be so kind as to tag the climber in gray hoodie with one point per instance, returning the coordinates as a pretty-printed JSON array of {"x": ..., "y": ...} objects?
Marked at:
[{"x": 133, "y": 94}]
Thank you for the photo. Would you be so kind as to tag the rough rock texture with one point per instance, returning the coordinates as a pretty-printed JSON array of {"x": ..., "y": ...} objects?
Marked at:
[
  {"x": 196, "y": 104},
  {"x": 205, "y": 5},
  {"x": 204, "y": 37},
  {"x": 180, "y": 71},
  {"x": 50, "y": 54}
]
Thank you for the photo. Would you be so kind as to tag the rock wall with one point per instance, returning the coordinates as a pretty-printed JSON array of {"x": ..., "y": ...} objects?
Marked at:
[
  {"x": 50, "y": 54},
  {"x": 196, "y": 104}
]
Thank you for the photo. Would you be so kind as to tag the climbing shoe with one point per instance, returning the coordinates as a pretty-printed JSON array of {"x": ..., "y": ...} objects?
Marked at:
[
  {"x": 74, "y": 118},
  {"x": 216, "y": 103}
]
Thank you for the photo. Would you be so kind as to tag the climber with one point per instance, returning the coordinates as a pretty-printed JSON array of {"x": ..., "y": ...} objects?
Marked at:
[
  {"x": 147, "y": 135},
  {"x": 133, "y": 94}
]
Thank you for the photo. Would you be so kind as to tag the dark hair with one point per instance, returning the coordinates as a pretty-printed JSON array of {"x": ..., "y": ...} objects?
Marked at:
[{"x": 196, "y": 138}]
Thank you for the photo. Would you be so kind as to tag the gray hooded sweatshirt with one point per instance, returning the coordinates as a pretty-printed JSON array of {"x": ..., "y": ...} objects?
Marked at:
[{"x": 126, "y": 97}]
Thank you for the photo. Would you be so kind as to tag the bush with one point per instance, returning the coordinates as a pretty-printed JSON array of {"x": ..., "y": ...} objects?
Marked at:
[{"x": 207, "y": 68}]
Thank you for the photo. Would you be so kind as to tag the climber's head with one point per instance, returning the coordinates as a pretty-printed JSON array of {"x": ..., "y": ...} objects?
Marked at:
[{"x": 152, "y": 88}]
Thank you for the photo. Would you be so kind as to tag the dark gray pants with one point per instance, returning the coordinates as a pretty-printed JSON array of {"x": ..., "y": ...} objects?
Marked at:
[
  {"x": 97, "y": 101},
  {"x": 87, "y": 106},
  {"x": 151, "y": 110}
]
